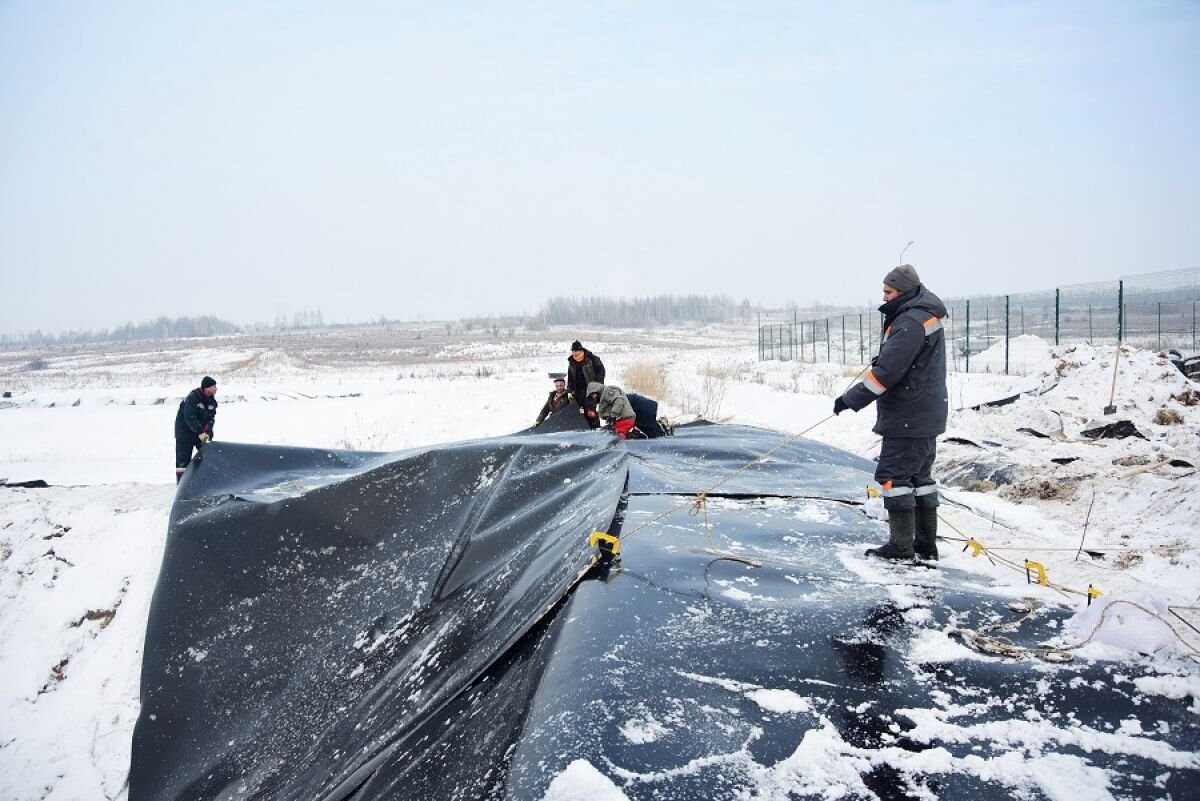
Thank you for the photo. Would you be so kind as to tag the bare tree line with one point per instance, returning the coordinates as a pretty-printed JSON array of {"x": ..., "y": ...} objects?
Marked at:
[
  {"x": 159, "y": 328},
  {"x": 644, "y": 311},
  {"x": 656, "y": 310}
]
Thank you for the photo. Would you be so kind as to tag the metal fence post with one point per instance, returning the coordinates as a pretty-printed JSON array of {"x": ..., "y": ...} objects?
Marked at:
[
  {"x": 861, "y": 354},
  {"x": 1006, "y": 334},
  {"x": 1057, "y": 309},
  {"x": 968, "y": 321},
  {"x": 953, "y": 351},
  {"x": 828, "y": 343},
  {"x": 760, "y": 337},
  {"x": 843, "y": 339},
  {"x": 795, "y": 314},
  {"x": 1091, "y": 336},
  {"x": 1159, "y": 326},
  {"x": 1120, "y": 311}
]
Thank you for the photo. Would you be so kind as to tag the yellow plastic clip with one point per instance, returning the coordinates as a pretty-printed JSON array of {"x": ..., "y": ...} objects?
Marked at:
[
  {"x": 976, "y": 548},
  {"x": 1041, "y": 571},
  {"x": 1092, "y": 593},
  {"x": 599, "y": 539},
  {"x": 873, "y": 492}
]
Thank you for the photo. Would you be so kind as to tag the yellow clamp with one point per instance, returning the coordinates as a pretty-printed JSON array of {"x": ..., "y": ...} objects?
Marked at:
[
  {"x": 599, "y": 537},
  {"x": 976, "y": 548},
  {"x": 1092, "y": 592},
  {"x": 1041, "y": 571},
  {"x": 873, "y": 492}
]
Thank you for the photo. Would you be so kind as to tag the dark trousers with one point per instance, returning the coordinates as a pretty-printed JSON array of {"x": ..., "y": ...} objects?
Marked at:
[
  {"x": 905, "y": 472},
  {"x": 183, "y": 455}
]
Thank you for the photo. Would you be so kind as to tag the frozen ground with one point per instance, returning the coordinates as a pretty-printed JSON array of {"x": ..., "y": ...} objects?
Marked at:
[{"x": 78, "y": 560}]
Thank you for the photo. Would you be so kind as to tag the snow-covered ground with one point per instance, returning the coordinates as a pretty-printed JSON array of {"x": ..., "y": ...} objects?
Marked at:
[{"x": 78, "y": 560}]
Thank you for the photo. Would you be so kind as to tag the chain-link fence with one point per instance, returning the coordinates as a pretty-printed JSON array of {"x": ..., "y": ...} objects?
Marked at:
[{"x": 1004, "y": 333}]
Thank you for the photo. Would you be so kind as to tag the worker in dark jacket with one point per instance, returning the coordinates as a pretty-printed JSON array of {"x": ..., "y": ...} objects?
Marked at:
[
  {"x": 907, "y": 382},
  {"x": 194, "y": 423},
  {"x": 559, "y": 397},
  {"x": 645, "y": 411},
  {"x": 583, "y": 368}
]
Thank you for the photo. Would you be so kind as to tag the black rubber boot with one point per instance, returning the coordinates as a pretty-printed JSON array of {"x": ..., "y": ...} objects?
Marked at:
[
  {"x": 925, "y": 543},
  {"x": 900, "y": 536}
]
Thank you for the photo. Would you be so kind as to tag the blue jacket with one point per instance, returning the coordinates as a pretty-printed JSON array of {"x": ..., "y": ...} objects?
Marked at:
[{"x": 907, "y": 380}]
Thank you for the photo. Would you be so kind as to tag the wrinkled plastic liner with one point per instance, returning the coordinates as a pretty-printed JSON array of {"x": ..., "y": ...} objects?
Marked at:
[{"x": 340, "y": 625}]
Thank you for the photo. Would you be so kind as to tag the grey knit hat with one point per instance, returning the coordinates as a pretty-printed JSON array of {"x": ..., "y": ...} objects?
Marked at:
[{"x": 903, "y": 278}]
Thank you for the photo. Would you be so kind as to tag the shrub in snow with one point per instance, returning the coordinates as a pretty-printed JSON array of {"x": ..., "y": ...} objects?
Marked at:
[
  {"x": 1167, "y": 417},
  {"x": 646, "y": 378}
]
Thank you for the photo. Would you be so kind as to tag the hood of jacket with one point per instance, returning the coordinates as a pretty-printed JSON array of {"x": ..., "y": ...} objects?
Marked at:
[
  {"x": 610, "y": 393},
  {"x": 917, "y": 299},
  {"x": 594, "y": 386}
]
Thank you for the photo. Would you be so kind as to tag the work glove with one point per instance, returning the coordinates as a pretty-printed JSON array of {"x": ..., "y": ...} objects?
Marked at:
[
  {"x": 204, "y": 437},
  {"x": 839, "y": 406}
]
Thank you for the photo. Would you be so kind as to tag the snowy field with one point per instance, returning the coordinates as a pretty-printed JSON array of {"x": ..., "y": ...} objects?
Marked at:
[{"x": 79, "y": 559}]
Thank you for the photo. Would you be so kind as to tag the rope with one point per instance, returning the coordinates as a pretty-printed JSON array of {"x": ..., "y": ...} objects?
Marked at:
[
  {"x": 987, "y": 643},
  {"x": 978, "y": 638},
  {"x": 996, "y": 558},
  {"x": 698, "y": 505},
  {"x": 700, "y": 501}
]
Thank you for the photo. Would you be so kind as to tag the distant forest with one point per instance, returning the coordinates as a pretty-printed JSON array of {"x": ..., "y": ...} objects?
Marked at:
[
  {"x": 161, "y": 328},
  {"x": 657, "y": 310},
  {"x": 649, "y": 311}
]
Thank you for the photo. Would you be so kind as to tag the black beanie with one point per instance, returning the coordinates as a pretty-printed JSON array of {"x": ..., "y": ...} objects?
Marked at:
[
  {"x": 207, "y": 381},
  {"x": 577, "y": 345},
  {"x": 903, "y": 278}
]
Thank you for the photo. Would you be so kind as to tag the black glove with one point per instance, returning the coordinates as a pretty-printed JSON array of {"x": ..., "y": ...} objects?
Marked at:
[{"x": 839, "y": 406}]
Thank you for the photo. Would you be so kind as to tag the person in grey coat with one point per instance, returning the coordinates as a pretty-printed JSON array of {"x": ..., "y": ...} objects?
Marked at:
[
  {"x": 611, "y": 404},
  {"x": 907, "y": 383}
]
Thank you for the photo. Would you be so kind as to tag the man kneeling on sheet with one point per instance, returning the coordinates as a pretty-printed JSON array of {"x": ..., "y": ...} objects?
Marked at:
[{"x": 612, "y": 405}]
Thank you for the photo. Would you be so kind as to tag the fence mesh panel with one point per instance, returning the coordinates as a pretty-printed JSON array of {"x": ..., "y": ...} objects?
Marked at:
[{"x": 1006, "y": 333}]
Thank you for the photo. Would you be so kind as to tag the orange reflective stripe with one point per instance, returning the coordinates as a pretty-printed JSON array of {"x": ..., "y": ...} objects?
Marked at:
[{"x": 875, "y": 385}]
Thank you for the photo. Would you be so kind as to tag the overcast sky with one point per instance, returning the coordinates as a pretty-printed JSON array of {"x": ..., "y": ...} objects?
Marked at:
[{"x": 436, "y": 160}]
